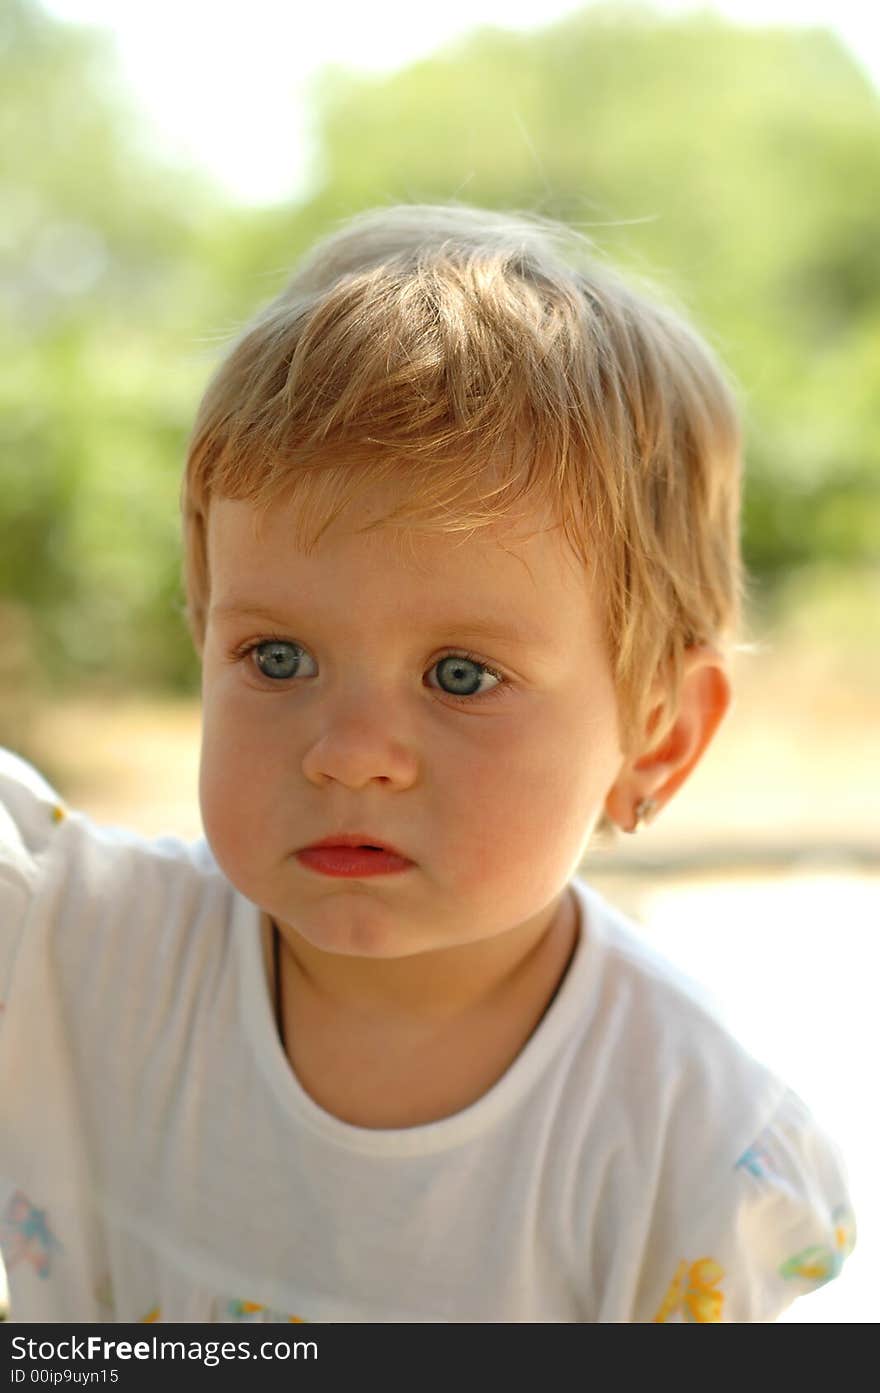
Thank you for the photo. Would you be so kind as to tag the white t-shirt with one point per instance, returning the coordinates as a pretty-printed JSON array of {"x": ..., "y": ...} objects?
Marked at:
[{"x": 160, "y": 1161}]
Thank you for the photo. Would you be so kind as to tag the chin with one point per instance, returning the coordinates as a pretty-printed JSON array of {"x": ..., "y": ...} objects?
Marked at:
[
  {"x": 352, "y": 933},
  {"x": 379, "y": 947}
]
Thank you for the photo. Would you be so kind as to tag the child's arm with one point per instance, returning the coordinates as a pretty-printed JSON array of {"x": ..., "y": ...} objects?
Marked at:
[{"x": 778, "y": 1226}]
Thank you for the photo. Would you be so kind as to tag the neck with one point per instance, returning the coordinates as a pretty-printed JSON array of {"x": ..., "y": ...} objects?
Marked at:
[{"x": 429, "y": 987}]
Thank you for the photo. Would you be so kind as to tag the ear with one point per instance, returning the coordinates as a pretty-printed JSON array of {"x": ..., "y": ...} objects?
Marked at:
[{"x": 659, "y": 773}]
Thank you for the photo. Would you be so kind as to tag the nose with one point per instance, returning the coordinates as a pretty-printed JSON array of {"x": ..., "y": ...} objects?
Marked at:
[{"x": 360, "y": 742}]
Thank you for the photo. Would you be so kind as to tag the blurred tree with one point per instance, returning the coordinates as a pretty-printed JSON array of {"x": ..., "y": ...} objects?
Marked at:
[{"x": 100, "y": 287}]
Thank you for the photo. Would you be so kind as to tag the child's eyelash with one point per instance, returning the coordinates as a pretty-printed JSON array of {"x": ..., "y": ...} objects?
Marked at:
[
  {"x": 250, "y": 644},
  {"x": 245, "y": 649}
]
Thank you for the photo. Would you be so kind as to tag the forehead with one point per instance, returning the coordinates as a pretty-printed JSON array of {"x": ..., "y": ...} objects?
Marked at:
[{"x": 521, "y": 571}]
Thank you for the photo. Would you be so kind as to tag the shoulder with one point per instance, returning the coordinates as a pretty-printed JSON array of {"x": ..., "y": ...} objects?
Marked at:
[
  {"x": 91, "y": 889},
  {"x": 672, "y": 1044},
  {"x": 37, "y": 827},
  {"x": 29, "y": 810}
]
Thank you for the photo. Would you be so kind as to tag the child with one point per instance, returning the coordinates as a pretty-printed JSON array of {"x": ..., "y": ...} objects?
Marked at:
[{"x": 462, "y": 567}]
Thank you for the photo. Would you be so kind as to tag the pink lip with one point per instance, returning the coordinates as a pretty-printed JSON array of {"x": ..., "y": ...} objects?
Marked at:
[{"x": 357, "y": 861}]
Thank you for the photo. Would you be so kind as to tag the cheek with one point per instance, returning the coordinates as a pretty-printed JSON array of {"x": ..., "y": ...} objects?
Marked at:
[
  {"x": 525, "y": 799},
  {"x": 235, "y": 790}
]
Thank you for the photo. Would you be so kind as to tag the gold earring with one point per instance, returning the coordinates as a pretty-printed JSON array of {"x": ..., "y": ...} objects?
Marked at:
[{"x": 644, "y": 812}]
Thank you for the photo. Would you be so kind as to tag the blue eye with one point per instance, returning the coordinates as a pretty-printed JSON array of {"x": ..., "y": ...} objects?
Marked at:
[
  {"x": 276, "y": 658},
  {"x": 463, "y": 675}
]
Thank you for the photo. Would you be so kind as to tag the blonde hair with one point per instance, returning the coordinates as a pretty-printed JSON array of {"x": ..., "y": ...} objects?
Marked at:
[{"x": 482, "y": 360}]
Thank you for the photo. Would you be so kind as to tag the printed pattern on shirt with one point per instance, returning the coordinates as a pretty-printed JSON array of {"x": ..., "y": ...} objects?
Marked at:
[
  {"x": 822, "y": 1262},
  {"x": 254, "y": 1311},
  {"x": 26, "y": 1235},
  {"x": 756, "y": 1160},
  {"x": 693, "y": 1291}
]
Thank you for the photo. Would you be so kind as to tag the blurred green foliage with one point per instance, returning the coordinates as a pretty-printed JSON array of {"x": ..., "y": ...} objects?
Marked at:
[{"x": 735, "y": 168}]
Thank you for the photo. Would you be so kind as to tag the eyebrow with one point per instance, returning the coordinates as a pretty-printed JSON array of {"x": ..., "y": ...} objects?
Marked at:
[{"x": 483, "y": 628}]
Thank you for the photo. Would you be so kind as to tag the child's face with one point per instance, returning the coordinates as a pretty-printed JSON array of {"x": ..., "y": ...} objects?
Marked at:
[{"x": 361, "y": 726}]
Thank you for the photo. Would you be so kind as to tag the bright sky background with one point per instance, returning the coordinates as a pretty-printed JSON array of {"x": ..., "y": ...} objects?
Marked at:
[{"x": 226, "y": 85}]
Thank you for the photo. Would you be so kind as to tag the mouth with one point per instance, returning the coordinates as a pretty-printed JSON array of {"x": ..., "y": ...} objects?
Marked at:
[
  {"x": 359, "y": 841},
  {"x": 356, "y": 856}
]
